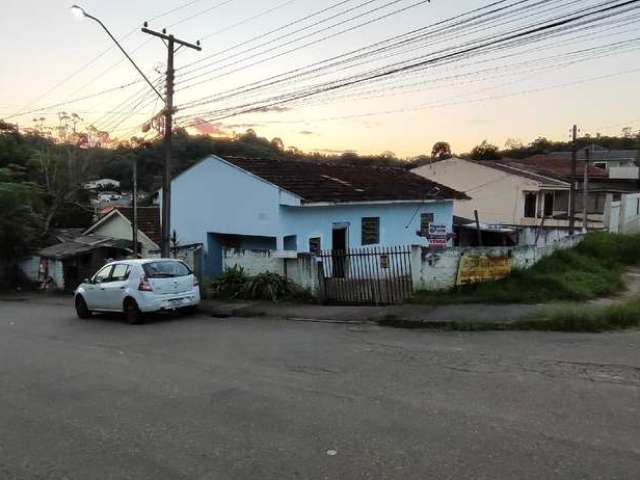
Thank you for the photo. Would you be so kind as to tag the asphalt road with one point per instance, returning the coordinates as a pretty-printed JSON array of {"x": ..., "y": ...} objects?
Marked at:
[{"x": 204, "y": 398}]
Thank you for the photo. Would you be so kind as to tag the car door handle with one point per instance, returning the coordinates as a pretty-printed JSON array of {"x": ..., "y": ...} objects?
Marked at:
[{"x": 122, "y": 288}]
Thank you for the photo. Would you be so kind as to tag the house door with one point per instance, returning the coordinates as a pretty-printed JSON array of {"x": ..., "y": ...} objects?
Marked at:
[
  {"x": 548, "y": 204},
  {"x": 339, "y": 250}
]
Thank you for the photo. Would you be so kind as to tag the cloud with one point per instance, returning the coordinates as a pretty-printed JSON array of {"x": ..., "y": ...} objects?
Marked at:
[
  {"x": 204, "y": 127},
  {"x": 307, "y": 132},
  {"x": 333, "y": 152},
  {"x": 243, "y": 125}
]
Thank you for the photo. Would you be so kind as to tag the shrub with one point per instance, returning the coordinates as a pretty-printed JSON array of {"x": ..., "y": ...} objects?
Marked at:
[
  {"x": 272, "y": 287},
  {"x": 235, "y": 284},
  {"x": 229, "y": 283}
]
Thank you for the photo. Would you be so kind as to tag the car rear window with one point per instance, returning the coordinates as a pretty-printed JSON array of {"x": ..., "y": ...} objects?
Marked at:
[{"x": 166, "y": 269}]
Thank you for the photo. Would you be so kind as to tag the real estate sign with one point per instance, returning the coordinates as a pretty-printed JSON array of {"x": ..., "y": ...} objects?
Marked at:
[{"x": 482, "y": 268}]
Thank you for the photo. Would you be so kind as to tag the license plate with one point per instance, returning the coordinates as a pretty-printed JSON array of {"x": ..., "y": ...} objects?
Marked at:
[{"x": 176, "y": 301}]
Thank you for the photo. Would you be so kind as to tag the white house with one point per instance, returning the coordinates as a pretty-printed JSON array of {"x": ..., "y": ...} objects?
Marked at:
[
  {"x": 103, "y": 183},
  {"x": 295, "y": 206},
  {"x": 533, "y": 195},
  {"x": 502, "y": 193},
  {"x": 118, "y": 223}
]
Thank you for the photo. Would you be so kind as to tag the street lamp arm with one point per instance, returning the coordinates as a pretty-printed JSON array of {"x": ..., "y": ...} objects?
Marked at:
[{"x": 99, "y": 22}]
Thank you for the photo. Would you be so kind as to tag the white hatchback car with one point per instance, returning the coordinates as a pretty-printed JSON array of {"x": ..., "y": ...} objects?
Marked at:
[{"x": 138, "y": 286}]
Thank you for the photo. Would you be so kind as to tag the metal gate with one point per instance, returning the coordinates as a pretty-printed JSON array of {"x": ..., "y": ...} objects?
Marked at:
[{"x": 366, "y": 276}]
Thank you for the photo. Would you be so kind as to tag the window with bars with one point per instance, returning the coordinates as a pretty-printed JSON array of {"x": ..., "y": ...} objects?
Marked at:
[
  {"x": 315, "y": 246},
  {"x": 370, "y": 230},
  {"x": 426, "y": 219}
]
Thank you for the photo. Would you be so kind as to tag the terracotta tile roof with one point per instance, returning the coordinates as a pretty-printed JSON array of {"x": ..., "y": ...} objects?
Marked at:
[
  {"x": 559, "y": 167},
  {"x": 317, "y": 182},
  {"x": 148, "y": 221}
]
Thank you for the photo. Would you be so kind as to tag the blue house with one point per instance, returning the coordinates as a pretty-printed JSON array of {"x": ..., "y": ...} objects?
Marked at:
[{"x": 300, "y": 206}]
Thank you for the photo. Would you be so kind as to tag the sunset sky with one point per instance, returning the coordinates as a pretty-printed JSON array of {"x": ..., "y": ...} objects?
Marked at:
[{"x": 50, "y": 57}]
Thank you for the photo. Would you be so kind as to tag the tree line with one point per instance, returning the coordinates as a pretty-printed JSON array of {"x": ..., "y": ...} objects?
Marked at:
[{"x": 41, "y": 176}]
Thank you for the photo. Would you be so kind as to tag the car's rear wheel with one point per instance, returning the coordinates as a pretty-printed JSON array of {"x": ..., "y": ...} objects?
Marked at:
[
  {"x": 81, "y": 308},
  {"x": 132, "y": 312}
]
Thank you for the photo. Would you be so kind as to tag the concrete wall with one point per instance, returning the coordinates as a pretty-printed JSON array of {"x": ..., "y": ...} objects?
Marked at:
[
  {"x": 629, "y": 221},
  {"x": 252, "y": 261},
  {"x": 301, "y": 270},
  {"x": 438, "y": 270},
  {"x": 431, "y": 270}
]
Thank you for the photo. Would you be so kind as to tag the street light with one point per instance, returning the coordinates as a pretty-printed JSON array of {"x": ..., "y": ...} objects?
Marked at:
[{"x": 80, "y": 12}]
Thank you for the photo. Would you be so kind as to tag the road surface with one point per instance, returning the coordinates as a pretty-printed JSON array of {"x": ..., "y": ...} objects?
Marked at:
[{"x": 204, "y": 398}]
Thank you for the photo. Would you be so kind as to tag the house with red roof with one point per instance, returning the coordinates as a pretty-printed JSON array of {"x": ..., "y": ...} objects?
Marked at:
[
  {"x": 289, "y": 207},
  {"x": 117, "y": 222}
]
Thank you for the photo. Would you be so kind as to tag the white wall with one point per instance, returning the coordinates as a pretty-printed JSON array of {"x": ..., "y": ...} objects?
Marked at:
[
  {"x": 628, "y": 172},
  {"x": 629, "y": 221},
  {"x": 430, "y": 270},
  {"x": 439, "y": 270},
  {"x": 253, "y": 262},
  {"x": 119, "y": 227},
  {"x": 498, "y": 196}
]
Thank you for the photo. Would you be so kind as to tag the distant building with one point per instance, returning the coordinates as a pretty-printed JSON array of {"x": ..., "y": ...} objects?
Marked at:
[
  {"x": 118, "y": 223},
  {"x": 621, "y": 164},
  {"x": 103, "y": 184},
  {"x": 532, "y": 195},
  {"x": 293, "y": 206}
]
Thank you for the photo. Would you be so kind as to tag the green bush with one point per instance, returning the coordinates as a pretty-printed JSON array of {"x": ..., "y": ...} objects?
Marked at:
[
  {"x": 235, "y": 284},
  {"x": 229, "y": 283},
  {"x": 591, "y": 269}
]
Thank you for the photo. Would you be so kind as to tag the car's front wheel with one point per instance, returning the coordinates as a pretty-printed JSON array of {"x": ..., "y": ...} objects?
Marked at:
[
  {"x": 81, "y": 308},
  {"x": 132, "y": 312}
]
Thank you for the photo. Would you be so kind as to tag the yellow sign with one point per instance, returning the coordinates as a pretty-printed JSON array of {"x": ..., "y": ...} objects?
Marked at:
[{"x": 482, "y": 268}]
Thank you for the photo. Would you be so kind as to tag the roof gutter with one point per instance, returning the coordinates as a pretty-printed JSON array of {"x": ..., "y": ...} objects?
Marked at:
[{"x": 374, "y": 202}]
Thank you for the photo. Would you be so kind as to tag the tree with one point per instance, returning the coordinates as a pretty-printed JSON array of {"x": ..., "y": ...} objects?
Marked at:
[
  {"x": 278, "y": 144},
  {"x": 485, "y": 151},
  {"x": 441, "y": 151},
  {"x": 513, "y": 144},
  {"x": 20, "y": 222}
]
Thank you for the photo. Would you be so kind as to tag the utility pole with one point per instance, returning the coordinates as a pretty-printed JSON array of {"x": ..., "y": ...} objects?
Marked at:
[
  {"x": 574, "y": 173},
  {"x": 585, "y": 191},
  {"x": 134, "y": 206},
  {"x": 170, "y": 41}
]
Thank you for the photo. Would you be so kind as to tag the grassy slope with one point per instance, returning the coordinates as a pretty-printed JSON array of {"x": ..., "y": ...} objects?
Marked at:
[{"x": 590, "y": 270}]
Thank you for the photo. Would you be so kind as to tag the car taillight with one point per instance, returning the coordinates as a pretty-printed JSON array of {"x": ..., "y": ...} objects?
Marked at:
[
  {"x": 144, "y": 285},
  {"x": 195, "y": 281}
]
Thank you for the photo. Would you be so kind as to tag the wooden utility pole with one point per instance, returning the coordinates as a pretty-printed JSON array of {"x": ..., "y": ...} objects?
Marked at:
[
  {"x": 585, "y": 191},
  {"x": 479, "y": 232},
  {"x": 574, "y": 174},
  {"x": 134, "y": 206},
  {"x": 171, "y": 42}
]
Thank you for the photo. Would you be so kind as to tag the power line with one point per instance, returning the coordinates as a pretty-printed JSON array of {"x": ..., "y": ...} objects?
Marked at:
[
  {"x": 290, "y": 42},
  {"x": 249, "y": 19},
  {"x": 510, "y": 37}
]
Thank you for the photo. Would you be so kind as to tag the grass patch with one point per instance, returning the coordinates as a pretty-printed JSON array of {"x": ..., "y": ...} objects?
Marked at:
[
  {"x": 590, "y": 270},
  {"x": 563, "y": 319}
]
